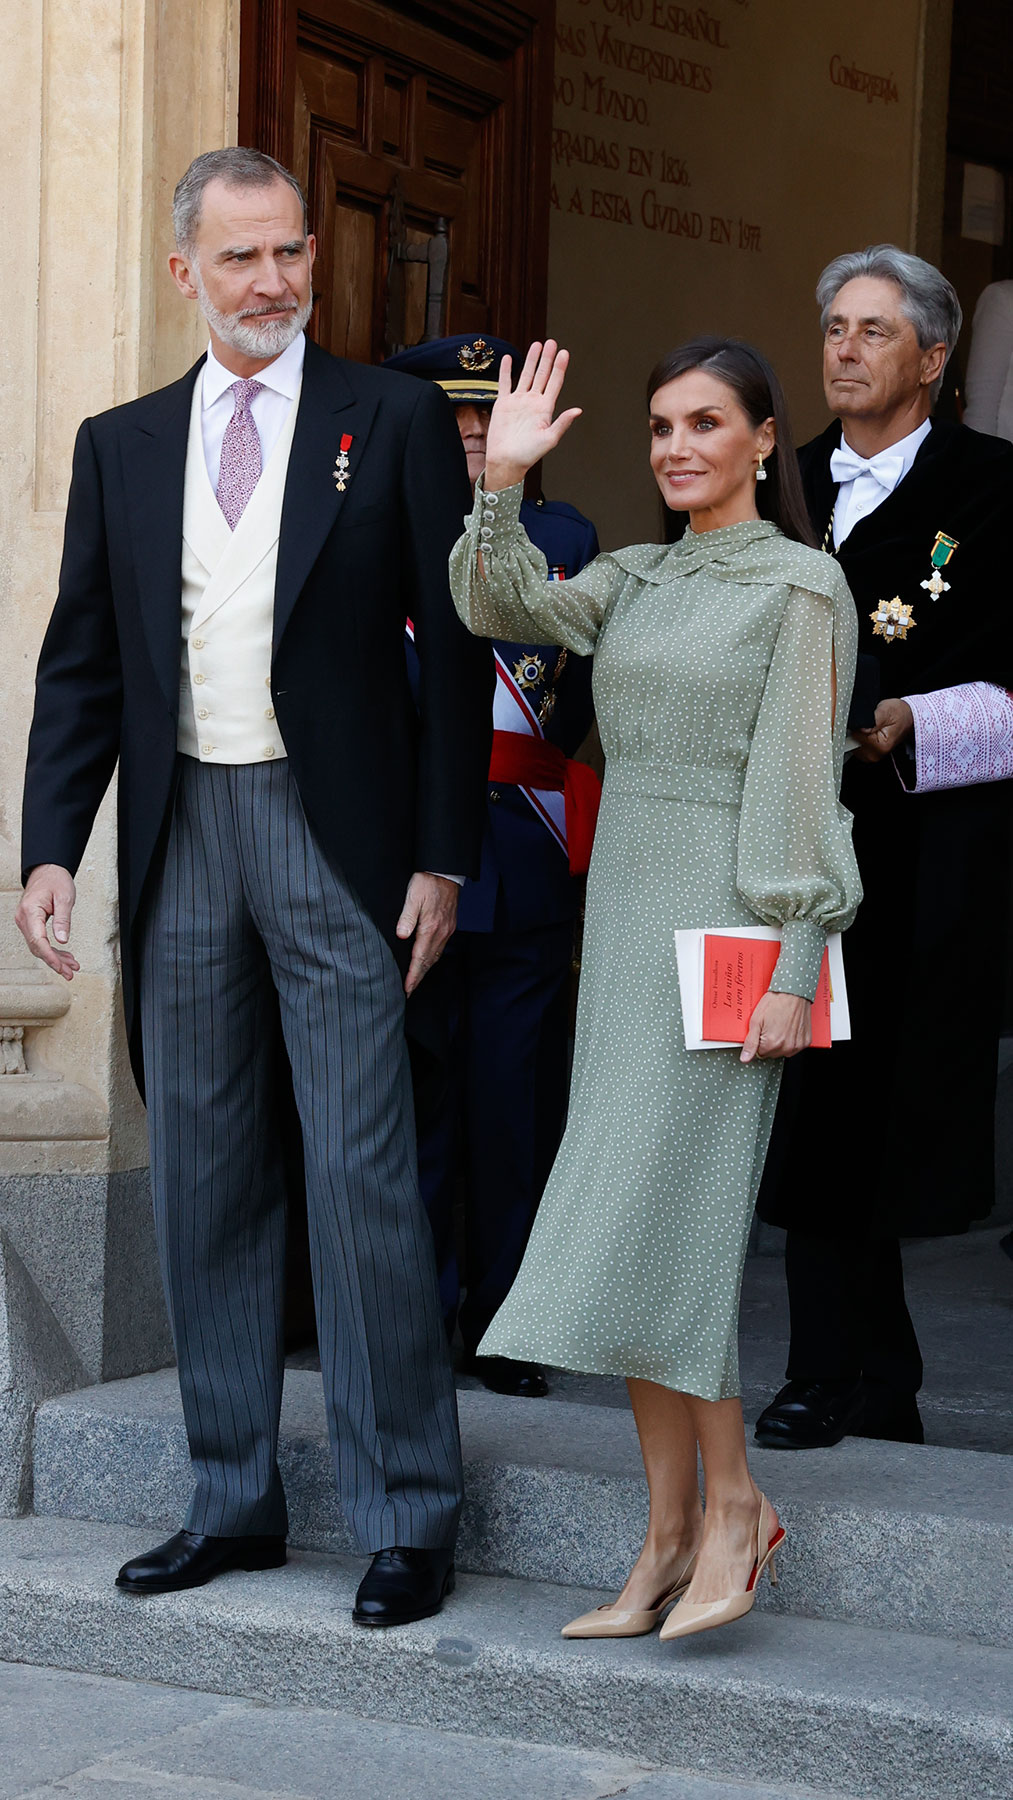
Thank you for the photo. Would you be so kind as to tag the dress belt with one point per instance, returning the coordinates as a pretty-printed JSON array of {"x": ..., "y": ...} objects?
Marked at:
[{"x": 688, "y": 782}]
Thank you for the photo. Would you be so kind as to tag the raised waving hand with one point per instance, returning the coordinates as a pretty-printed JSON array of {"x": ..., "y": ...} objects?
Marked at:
[{"x": 522, "y": 429}]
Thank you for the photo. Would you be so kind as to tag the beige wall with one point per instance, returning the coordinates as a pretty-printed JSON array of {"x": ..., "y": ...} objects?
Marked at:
[
  {"x": 103, "y": 105},
  {"x": 741, "y": 167},
  {"x": 708, "y": 160}
]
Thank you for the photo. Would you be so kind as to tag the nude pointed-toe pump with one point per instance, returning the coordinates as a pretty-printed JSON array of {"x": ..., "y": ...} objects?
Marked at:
[
  {"x": 608, "y": 1622},
  {"x": 691, "y": 1615}
]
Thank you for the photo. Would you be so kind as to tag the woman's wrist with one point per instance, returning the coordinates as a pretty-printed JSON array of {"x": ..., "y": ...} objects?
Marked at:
[{"x": 499, "y": 475}]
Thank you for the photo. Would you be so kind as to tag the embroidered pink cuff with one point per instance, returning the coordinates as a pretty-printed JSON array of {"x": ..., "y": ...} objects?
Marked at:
[{"x": 963, "y": 736}]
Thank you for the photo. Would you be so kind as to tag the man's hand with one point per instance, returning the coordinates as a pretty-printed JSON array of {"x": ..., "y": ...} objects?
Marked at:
[
  {"x": 894, "y": 722},
  {"x": 50, "y": 894},
  {"x": 430, "y": 911},
  {"x": 781, "y": 1025}
]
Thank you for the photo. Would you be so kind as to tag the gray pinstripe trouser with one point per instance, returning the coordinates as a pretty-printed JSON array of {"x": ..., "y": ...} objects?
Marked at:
[{"x": 246, "y": 904}]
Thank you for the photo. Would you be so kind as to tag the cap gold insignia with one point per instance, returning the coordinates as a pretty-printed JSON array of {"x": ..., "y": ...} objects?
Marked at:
[
  {"x": 475, "y": 357},
  {"x": 942, "y": 550},
  {"x": 892, "y": 620}
]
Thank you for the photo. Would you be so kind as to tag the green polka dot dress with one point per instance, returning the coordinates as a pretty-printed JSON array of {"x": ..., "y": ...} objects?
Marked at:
[{"x": 712, "y": 684}]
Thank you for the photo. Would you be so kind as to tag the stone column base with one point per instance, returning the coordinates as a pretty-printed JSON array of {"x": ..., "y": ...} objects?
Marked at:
[{"x": 80, "y": 1299}]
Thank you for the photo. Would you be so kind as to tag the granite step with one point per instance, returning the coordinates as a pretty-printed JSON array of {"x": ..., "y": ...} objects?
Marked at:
[
  {"x": 883, "y": 1535},
  {"x": 101, "y": 1737},
  {"x": 796, "y": 1701}
]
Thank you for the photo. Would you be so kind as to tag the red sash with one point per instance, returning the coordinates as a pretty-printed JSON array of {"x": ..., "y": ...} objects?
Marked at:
[{"x": 529, "y": 762}]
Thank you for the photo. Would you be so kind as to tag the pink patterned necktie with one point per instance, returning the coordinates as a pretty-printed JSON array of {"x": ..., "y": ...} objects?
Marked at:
[{"x": 241, "y": 463}]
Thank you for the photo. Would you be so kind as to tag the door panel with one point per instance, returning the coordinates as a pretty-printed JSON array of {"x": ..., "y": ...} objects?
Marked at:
[{"x": 449, "y": 104}]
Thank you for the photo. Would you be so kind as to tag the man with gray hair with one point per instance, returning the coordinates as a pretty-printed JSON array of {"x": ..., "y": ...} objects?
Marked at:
[
  {"x": 241, "y": 552},
  {"x": 892, "y": 1134}
]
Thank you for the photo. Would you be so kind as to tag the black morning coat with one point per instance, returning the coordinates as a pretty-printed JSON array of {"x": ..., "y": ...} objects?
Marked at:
[
  {"x": 893, "y": 1132},
  {"x": 387, "y": 789}
]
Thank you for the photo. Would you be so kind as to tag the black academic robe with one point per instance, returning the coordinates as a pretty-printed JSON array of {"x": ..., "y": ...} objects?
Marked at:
[{"x": 893, "y": 1131}]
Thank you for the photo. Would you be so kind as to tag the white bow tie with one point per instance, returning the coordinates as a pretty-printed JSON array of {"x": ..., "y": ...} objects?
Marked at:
[{"x": 884, "y": 468}]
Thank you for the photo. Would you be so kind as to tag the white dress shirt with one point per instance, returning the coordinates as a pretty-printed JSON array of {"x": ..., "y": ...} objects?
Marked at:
[
  {"x": 270, "y": 408},
  {"x": 873, "y": 480}
]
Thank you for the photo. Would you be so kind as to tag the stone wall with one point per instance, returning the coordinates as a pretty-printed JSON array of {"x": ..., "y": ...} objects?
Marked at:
[
  {"x": 707, "y": 162},
  {"x": 103, "y": 107}
]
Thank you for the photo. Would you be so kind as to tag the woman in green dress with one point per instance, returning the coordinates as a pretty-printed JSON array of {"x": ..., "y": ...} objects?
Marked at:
[{"x": 722, "y": 675}]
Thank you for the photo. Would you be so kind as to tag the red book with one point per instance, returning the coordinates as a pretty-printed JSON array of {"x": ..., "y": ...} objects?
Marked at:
[{"x": 737, "y": 972}]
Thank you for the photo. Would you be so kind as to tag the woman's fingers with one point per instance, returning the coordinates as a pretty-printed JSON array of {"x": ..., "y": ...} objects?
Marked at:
[
  {"x": 544, "y": 368},
  {"x": 543, "y": 372},
  {"x": 751, "y": 1047},
  {"x": 779, "y": 1027},
  {"x": 561, "y": 426},
  {"x": 557, "y": 374},
  {"x": 527, "y": 374}
]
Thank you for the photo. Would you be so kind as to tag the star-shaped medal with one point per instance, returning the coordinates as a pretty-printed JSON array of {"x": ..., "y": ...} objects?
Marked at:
[
  {"x": 529, "y": 671},
  {"x": 892, "y": 620}
]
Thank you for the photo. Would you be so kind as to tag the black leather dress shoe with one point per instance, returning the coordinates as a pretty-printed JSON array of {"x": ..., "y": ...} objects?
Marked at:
[
  {"x": 188, "y": 1561},
  {"x": 402, "y": 1585},
  {"x": 501, "y": 1375},
  {"x": 810, "y": 1415}
]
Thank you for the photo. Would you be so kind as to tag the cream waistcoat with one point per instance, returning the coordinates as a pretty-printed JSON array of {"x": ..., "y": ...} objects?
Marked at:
[{"x": 225, "y": 709}]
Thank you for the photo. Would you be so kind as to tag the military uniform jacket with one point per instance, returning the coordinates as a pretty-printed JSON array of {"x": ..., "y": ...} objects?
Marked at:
[
  {"x": 894, "y": 1130},
  {"x": 524, "y": 878}
]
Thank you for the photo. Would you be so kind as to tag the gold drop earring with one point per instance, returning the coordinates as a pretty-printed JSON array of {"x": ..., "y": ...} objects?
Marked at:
[{"x": 761, "y": 473}]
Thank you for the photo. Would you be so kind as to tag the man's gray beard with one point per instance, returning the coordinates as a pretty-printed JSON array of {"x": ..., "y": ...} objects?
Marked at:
[{"x": 252, "y": 336}]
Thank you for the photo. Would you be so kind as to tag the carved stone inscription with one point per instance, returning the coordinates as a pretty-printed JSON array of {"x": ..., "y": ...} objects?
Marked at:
[{"x": 618, "y": 65}]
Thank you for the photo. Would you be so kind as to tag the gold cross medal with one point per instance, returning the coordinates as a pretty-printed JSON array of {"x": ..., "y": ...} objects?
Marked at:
[
  {"x": 942, "y": 550},
  {"x": 892, "y": 620}
]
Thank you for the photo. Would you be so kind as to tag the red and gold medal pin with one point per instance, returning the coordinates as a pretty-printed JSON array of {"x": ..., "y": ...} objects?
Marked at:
[{"x": 341, "y": 465}]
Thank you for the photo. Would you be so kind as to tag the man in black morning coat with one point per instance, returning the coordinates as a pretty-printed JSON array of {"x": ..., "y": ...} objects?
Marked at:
[
  {"x": 241, "y": 550},
  {"x": 891, "y": 1135}
]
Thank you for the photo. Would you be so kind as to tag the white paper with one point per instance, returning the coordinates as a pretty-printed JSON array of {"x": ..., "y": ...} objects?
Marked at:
[
  {"x": 689, "y": 954},
  {"x": 983, "y": 208}
]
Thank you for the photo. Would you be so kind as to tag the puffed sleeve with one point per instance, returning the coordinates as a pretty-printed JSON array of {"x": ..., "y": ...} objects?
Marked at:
[
  {"x": 796, "y": 866},
  {"x": 509, "y": 595}
]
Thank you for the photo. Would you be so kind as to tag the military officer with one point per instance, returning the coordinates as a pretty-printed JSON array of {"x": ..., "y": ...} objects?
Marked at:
[{"x": 489, "y": 1129}]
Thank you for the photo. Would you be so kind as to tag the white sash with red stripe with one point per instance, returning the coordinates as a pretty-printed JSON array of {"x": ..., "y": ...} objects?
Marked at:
[{"x": 512, "y": 711}]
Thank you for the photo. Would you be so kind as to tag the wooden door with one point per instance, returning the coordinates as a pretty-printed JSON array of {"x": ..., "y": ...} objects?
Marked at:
[{"x": 437, "y": 115}]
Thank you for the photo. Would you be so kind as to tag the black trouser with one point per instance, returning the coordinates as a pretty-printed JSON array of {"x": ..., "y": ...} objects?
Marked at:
[
  {"x": 498, "y": 1117},
  {"x": 849, "y": 1317}
]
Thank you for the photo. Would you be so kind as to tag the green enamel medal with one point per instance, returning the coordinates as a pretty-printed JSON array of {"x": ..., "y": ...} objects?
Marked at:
[{"x": 942, "y": 550}]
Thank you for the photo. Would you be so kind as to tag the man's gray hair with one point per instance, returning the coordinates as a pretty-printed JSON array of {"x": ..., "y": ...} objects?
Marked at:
[
  {"x": 238, "y": 168},
  {"x": 927, "y": 298}
]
